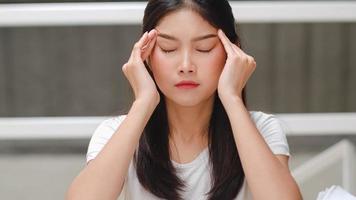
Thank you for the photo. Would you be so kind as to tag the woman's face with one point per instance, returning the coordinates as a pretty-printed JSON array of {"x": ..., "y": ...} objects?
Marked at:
[{"x": 187, "y": 49}]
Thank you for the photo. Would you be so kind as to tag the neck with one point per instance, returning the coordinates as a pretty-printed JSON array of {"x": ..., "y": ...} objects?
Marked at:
[{"x": 189, "y": 125}]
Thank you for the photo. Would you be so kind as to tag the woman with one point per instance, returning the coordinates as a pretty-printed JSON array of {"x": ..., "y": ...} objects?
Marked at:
[{"x": 188, "y": 134}]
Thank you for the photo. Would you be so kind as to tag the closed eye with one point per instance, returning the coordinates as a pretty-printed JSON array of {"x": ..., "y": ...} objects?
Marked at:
[
  {"x": 205, "y": 51},
  {"x": 167, "y": 51}
]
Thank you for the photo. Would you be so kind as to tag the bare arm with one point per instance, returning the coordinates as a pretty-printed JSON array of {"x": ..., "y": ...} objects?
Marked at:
[
  {"x": 267, "y": 175},
  {"x": 104, "y": 177}
]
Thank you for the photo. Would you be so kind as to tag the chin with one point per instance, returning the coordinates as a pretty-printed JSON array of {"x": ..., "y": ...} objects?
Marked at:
[{"x": 186, "y": 101}]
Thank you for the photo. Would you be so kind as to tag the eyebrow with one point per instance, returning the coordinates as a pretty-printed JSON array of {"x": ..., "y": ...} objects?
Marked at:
[{"x": 169, "y": 37}]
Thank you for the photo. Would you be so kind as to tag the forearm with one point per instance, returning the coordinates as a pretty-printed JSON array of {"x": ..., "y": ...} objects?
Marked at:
[
  {"x": 104, "y": 177},
  {"x": 266, "y": 176}
]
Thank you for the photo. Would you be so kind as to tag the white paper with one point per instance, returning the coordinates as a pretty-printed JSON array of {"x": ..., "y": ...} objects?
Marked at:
[{"x": 335, "y": 193}]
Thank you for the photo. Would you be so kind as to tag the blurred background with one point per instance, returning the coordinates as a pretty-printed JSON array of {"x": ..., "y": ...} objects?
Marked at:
[{"x": 60, "y": 76}]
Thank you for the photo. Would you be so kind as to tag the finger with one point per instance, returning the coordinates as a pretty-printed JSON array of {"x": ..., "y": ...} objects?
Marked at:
[
  {"x": 136, "y": 51},
  {"x": 237, "y": 49},
  {"x": 252, "y": 59},
  {"x": 148, "y": 48},
  {"x": 143, "y": 40},
  {"x": 226, "y": 42},
  {"x": 151, "y": 34},
  {"x": 147, "y": 52},
  {"x": 241, "y": 54},
  {"x": 147, "y": 42}
]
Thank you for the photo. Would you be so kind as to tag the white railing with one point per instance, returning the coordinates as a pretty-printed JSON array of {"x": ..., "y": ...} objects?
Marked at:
[
  {"x": 19, "y": 128},
  {"x": 342, "y": 153},
  {"x": 118, "y": 13},
  {"x": 296, "y": 125},
  {"x": 301, "y": 124}
]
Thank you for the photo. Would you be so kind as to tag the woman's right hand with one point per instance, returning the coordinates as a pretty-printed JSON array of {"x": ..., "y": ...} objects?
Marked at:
[{"x": 135, "y": 71}]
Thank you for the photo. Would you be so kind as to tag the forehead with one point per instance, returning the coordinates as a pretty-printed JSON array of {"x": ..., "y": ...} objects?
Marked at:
[{"x": 185, "y": 24}]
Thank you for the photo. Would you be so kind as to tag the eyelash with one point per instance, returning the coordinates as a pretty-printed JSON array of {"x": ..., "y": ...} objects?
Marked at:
[
  {"x": 169, "y": 51},
  {"x": 204, "y": 51}
]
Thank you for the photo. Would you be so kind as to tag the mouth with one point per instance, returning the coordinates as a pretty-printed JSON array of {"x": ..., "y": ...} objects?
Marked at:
[{"x": 187, "y": 85}]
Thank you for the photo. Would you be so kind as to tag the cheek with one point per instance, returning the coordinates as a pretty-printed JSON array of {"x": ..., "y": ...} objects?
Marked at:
[
  {"x": 215, "y": 61},
  {"x": 159, "y": 64},
  {"x": 157, "y": 55}
]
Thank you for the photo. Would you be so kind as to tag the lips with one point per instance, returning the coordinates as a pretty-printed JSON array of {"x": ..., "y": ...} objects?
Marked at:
[{"x": 187, "y": 84}]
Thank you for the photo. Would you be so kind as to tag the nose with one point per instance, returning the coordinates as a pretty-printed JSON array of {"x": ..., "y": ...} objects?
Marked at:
[{"x": 187, "y": 66}]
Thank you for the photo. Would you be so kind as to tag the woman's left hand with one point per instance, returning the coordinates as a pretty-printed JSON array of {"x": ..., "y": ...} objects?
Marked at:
[{"x": 237, "y": 70}]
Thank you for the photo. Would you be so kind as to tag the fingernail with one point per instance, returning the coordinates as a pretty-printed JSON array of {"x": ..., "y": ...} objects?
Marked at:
[{"x": 151, "y": 32}]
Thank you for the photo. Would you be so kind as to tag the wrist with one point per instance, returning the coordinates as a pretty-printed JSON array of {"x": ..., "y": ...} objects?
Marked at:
[
  {"x": 227, "y": 98},
  {"x": 233, "y": 104},
  {"x": 146, "y": 103}
]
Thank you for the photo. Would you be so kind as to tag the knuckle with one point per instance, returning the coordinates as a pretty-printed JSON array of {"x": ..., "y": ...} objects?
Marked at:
[
  {"x": 254, "y": 63},
  {"x": 245, "y": 59},
  {"x": 124, "y": 68},
  {"x": 128, "y": 64},
  {"x": 136, "y": 46}
]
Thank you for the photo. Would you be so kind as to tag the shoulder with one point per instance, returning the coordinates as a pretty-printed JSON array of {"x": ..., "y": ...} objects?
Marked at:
[
  {"x": 108, "y": 126},
  {"x": 112, "y": 121},
  {"x": 259, "y": 116},
  {"x": 263, "y": 120},
  {"x": 272, "y": 130},
  {"x": 102, "y": 134}
]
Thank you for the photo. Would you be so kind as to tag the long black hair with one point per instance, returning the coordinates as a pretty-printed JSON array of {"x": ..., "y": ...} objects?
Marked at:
[{"x": 154, "y": 168}]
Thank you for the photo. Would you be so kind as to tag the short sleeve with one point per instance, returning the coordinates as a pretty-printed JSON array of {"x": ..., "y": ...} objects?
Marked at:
[
  {"x": 272, "y": 131},
  {"x": 101, "y": 136}
]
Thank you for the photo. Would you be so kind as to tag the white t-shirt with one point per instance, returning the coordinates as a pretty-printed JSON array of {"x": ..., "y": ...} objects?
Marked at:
[{"x": 195, "y": 173}]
